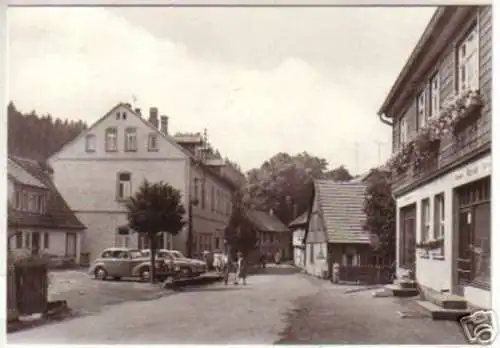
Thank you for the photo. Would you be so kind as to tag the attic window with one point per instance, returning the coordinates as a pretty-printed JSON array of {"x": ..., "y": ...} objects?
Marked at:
[
  {"x": 153, "y": 142},
  {"x": 124, "y": 116},
  {"x": 90, "y": 143},
  {"x": 117, "y": 115}
]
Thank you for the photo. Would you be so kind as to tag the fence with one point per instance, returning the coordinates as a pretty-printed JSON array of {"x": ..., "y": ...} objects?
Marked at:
[
  {"x": 27, "y": 289},
  {"x": 366, "y": 274}
]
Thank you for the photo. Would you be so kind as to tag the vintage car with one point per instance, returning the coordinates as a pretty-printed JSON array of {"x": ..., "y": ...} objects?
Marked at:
[
  {"x": 184, "y": 266},
  {"x": 120, "y": 263}
]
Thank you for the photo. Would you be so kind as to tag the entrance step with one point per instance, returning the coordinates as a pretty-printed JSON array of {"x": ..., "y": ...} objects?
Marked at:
[
  {"x": 447, "y": 301},
  {"x": 440, "y": 313},
  {"x": 399, "y": 291},
  {"x": 406, "y": 283}
]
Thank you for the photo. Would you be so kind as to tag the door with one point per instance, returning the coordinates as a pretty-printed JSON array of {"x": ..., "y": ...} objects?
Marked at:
[
  {"x": 35, "y": 242},
  {"x": 71, "y": 244},
  {"x": 465, "y": 256},
  {"x": 407, "y": 237}
]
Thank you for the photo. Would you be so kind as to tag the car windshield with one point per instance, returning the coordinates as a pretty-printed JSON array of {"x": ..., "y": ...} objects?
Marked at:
[
  {"x": 134, "y": 254},
  {"x": 177, "y": 254}
]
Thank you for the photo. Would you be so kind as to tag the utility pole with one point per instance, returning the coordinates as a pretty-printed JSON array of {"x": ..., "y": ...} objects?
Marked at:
[
  {"x": 356, "y": 156},
  {"x": 379, "y": 151}
]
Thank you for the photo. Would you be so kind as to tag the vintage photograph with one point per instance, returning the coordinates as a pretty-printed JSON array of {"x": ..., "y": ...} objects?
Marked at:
[{"x": 249, "y": 175}]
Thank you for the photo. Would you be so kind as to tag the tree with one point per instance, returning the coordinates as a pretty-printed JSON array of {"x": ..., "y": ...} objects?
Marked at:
[
  {"x": 339, "y": 174},
  {"x": 283, "y": 183},
  {"x": 155, "y": 208},
  {"x": 380, "y": 210},
  {"x": 239, "y": 234}
]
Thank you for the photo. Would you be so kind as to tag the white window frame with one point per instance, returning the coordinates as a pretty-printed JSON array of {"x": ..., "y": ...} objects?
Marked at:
[
  {"x": 422, "y": 109},
  {"x": 435, "y": 98},
  {"x": 90, "y": 143},
  {"x": 153, "y": 142},
  {"x": 130, "y": 139},
  {"x": 426, "y": 220},
  {"x": 111, "y": 139},
  {"x": 124, "y": 187},
  {"x": 440, "y": 206},
  {"x": 403, "y": 131},
  {"x": 468, "y": 62}
]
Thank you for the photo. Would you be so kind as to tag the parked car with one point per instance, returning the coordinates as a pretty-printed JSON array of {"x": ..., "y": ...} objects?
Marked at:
[
  {"x": 184, "y": 266},
  {"x": 126, "y": 262}
]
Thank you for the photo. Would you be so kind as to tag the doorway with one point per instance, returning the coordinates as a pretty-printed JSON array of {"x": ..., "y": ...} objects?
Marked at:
[
  {"x": 474, "y": 236},
  {"x": 407, "y": 236}
]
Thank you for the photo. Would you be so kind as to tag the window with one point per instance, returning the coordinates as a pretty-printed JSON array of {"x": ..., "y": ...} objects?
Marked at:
[
  {"x": 19, "y": 240},
  {"x": 130, "y": 139},
  {"x": 421, "y": 110},
  {"x": 70, "y": 244},
  {"x": 311, "y": 253},
  {"x": 403, "y": 131},
  {"x": 426, "y": 220},
  {"x": 111, "y": 139},
  {"x": 468, "y": 62},
  {"x": 195, "y": 189},
  {"x": 118, "y": 115},
  {"x": 90, "y": 143},
  {"x": 124, "y": 186},
  {"x": 18, "y": 199},
  {"x": 212, "y": 199},
  {"x": 27, "y": 240},
  {"x": 46, "y": 241},
  {"x": 152, "y": 142},
  {"x": 435, "y": 101},
  {"x": 203, "y": 195},
  {"x": 31, "y": 203},
  {"x": 439, "y": 216}
]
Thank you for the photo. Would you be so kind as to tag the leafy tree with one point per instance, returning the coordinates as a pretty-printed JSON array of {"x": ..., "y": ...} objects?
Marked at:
[
  {"x": 155, "y": 208},
  {"x": 239, "y": 233},
  {"x": 283, "y": 183},
  {"x": 339, "y": 174},
  {"x": 380, "y": 210}
]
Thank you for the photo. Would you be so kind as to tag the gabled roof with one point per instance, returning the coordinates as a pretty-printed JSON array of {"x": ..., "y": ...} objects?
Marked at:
[
  {"x": 265, "y": 222},
  {"x": 299, "y": 222},
  {"x": 58, "y": 214},
  {"x": 341, "y": 208},
  {"x": 167, "y": 137},
  {"x": 21, "y": 176}
]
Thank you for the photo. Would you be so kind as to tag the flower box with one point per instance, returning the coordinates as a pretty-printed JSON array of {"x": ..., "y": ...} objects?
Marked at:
[{"x": 431, "y": 244}]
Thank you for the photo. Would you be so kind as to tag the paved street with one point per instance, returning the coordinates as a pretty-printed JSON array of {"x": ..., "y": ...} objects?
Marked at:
[{"x": 280, "y": 306}]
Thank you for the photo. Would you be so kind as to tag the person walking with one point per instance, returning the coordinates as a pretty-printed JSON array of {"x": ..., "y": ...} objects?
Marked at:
[
  {"x": 225, "y": 266},
  {"x": 241, "y": 269}
]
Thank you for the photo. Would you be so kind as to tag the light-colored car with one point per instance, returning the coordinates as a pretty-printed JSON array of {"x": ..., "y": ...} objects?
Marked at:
[
  {"x": 185, "y": 266},
  {"x": 120, "y": 263}
]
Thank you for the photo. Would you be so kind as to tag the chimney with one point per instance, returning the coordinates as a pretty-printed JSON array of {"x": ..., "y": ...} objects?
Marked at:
[
  {"x": 164, "y": 125},
  {"x": 153, "y": 116},
  {"x": 138, "y": 111}
]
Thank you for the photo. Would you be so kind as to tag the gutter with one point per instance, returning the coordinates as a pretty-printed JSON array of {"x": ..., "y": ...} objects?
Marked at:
[{"x": 385, "y": 120}]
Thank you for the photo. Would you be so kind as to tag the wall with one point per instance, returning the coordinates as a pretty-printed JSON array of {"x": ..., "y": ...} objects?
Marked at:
[
  {"x": 209, "y": 219},
  {"x": 437, "y": 273},
  {"x": 319, "y": 266}
]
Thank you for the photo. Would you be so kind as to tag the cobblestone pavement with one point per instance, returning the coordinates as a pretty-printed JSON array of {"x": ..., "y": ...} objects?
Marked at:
[
  {"x": 336, "y": 316},
  {"x": 278, "y": 306}
]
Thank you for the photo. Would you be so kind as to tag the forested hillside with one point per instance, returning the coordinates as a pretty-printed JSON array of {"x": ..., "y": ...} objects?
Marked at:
[{"x": 38, "y": 136}]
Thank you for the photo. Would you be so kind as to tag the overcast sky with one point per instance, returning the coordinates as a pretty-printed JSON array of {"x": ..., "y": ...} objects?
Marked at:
[{"x": 261, "y": 80}]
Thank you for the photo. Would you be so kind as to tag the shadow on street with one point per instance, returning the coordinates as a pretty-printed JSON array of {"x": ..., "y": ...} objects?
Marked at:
[{"x": 219, "y": 289}]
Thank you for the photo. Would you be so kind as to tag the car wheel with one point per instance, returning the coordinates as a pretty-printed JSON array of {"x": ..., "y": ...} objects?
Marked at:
[
  {"x": 100, "y": 273},
  {"x": 145, "y": 274}
]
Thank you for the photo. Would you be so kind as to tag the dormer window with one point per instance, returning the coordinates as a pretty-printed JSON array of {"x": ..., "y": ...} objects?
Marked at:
[
  {"x": 153, "y": 142},
  {"x": 90, "y": 143},
  {"x": 131, "y": 139},
  {"x": 111, "y": 140}
]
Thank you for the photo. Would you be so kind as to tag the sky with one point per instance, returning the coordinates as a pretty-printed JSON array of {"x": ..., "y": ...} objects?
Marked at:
[{"x": 261, "y": 80}]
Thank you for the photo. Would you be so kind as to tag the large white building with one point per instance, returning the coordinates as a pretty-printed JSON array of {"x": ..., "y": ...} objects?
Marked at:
[
  {"x": 440, "y": 112},
  {"x": 98, "y": 170}
]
